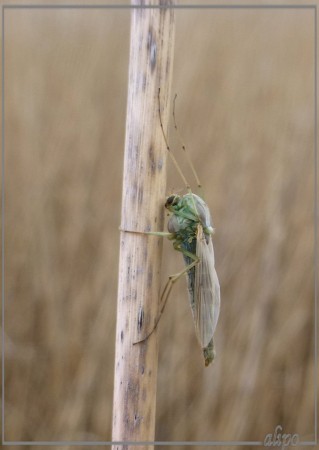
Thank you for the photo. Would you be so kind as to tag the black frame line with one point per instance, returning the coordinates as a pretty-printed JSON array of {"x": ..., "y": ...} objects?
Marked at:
[{"x": 191, "y": 6}]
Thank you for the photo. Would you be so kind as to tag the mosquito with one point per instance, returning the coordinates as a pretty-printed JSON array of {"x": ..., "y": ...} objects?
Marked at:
[{"x": 190, "y": 229}]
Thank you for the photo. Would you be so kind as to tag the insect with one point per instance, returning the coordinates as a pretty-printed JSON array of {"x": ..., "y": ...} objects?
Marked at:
[
  {"x": 190, "y": 230},
  {"x": 191, "y": 233}
]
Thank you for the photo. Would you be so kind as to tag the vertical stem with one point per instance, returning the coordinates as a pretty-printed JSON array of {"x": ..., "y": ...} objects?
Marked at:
[{"x": 150, "y": 67}]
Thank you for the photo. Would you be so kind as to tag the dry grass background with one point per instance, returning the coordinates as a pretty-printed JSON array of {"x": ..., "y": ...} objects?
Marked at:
[{"x": 245, "y": 108}]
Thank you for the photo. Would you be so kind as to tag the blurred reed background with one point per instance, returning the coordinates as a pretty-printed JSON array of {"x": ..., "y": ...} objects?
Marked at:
[{"x": 245, "y": 84}]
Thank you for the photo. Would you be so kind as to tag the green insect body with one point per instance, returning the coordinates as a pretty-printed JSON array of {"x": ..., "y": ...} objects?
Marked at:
[{"x": 191, "y": 231}]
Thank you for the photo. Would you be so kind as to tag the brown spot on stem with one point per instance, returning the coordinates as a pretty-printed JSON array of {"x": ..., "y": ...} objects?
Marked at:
[
  {"x": 150, "y": 277},
  {"x": 152, "y": 48},
  {"x": 151, "y": 158},
  {"x": 140, "y": 318},
  {"x": 140, "y": 196}
]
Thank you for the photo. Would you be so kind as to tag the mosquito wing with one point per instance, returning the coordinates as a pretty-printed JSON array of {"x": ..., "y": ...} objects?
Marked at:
[{"x": 207, "y": 290}]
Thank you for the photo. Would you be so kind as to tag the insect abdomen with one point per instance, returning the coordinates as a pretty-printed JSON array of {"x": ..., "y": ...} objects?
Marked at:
[{"x": 190, "y": 247}]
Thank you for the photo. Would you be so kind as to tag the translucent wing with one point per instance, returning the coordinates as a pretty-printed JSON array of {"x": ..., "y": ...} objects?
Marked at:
[{"x": 207, "y": 290}]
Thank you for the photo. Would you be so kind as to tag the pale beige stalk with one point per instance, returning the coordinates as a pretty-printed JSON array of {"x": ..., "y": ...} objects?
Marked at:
[{"x": 144, "y": 182}]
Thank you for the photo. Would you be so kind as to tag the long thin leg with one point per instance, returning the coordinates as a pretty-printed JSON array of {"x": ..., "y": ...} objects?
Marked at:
[
  {"x": 151, "y": 233},
  {"x": 168, "y": 288}
]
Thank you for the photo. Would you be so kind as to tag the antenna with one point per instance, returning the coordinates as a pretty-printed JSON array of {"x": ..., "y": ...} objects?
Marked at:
[
  {"x": 168, "y": 147},
  {"x": 173, "y": 157},
  {"x": 189, "y": 161}
]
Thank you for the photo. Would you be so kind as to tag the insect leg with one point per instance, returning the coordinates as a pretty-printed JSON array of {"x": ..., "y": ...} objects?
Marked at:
[
  {"x": 151, "y": 233},
  {"x": 168, "y": 287}
]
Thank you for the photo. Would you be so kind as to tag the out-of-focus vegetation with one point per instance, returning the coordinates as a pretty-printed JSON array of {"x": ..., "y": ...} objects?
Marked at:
[{"x": 245, "y": 84}]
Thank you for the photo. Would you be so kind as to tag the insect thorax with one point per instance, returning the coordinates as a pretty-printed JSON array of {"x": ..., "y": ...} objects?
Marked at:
[{"x": 187, "y": 212}]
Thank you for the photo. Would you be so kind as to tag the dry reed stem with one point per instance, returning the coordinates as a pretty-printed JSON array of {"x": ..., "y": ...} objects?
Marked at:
[{"x": 152, "y": 38}]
